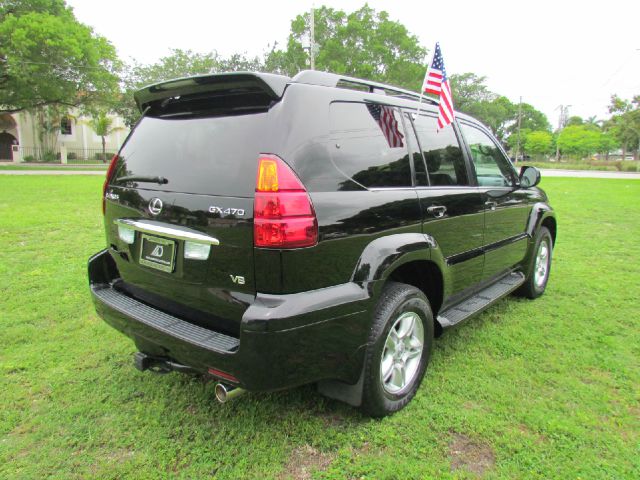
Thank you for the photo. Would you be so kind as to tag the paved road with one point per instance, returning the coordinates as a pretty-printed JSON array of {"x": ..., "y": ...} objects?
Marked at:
[
  {"x": 545, "y": 173},
  {"x": 552, "y": 172}
]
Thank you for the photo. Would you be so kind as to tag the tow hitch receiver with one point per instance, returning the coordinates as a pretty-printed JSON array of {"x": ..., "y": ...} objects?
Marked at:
[{"x": 143, "y": 362}]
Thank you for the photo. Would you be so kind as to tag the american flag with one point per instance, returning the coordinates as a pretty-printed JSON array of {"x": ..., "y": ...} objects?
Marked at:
[
  {"x": 436, "y": 82},
  {"x": 386, "y": 120}
]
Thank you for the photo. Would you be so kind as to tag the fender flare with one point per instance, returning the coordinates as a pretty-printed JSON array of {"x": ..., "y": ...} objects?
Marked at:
[
  {"x": 539, "y": 213},
  {"x": 379, "y": 258},
  {"x": 385, "y": 254}
]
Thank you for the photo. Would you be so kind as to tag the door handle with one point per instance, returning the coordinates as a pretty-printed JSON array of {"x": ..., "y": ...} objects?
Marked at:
[
  {"x": 491, "y": 204},
  {"x": 437, "y": 211}
]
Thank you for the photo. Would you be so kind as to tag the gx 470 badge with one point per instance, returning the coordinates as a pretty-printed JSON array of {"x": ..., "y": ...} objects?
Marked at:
[{"x": 239, "y": 212}]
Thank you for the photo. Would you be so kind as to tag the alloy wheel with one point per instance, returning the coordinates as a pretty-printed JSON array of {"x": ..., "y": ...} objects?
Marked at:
[{"x": 402, "y": 353}]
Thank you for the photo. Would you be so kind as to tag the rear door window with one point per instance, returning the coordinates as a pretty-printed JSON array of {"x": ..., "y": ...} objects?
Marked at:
[
  {"x": 369, "y": 144},
  {"x": 442, "y": 153}
]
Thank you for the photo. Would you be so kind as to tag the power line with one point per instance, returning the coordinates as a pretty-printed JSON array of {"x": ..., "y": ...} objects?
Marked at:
[{"x": 624, "y": 64}]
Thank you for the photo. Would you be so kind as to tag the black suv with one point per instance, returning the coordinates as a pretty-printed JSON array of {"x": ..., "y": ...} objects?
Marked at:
[{"x": 271, "y": 232}]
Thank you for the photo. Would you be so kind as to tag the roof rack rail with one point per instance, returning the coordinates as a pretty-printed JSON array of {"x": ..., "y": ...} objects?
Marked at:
[{"x": 326, "y": 79}]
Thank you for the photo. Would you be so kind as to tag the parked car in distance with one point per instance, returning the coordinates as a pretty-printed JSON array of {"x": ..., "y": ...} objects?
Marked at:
[{"x": 271, "y": 232}]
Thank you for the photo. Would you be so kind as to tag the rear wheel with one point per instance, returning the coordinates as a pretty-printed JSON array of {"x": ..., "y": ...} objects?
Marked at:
[
  {"x": 400, "y": 345},
  {"x": 540, "y": 266}
]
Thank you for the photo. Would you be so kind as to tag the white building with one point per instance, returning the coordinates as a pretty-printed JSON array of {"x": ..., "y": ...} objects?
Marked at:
[{"x": 68, "y": 139}]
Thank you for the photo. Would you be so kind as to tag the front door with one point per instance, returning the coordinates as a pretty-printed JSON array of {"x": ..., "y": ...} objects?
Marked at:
[
  {"x": 6, "y": 142},
  {"x": 506, "y": 206}
]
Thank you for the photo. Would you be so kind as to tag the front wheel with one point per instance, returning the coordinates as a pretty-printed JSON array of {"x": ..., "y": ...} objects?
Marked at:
[
  {"x": 400, "y": 345},
  {"x": 540, "y": 266}
]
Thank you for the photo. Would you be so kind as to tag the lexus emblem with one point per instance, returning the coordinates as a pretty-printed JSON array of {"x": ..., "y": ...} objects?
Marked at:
[{"x": 155, "y": 206}]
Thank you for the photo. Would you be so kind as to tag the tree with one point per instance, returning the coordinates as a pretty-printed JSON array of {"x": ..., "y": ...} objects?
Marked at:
[
  {"x": 531, "y": 120},
  {"x": 178, "y": 64},
  {"x": 574, "y": 120},
  {"x": 579, "y": 140},
  {"x": 539, "y": 142},
  {"x": 624, "y": 125},
  {"x": 102, "y": 124},
  {"x": 495, "y": 114},
  {"x": 365, "y": 44},
  {"x": 469, "y": 89},
  {"x": 472, "y": 96},
  {"x": 607, "y": 143},
  {"x": 47, "y": 57}
]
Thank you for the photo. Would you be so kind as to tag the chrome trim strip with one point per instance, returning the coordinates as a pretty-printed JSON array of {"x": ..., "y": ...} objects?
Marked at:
[
  {"x": 171, "y": 231},
  {"x": 476, "y": 252}
]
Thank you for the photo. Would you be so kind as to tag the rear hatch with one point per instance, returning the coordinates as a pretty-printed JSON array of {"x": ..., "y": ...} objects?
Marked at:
[{"x": 179, "y": 201}]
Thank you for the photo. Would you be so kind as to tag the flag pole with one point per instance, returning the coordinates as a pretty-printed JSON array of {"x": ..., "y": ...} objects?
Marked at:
[{"x": 422, "y": 89}]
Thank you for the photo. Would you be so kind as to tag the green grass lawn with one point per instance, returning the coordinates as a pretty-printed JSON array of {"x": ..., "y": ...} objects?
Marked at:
[
  {"x": 40, "y": 166},
  {"x": 542, "y": 389}
]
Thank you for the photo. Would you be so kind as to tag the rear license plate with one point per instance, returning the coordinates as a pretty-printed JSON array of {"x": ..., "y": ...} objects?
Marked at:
[{"x": 158, "y": 253}]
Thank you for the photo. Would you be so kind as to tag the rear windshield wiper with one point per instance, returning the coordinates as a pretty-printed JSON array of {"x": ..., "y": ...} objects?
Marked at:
[{"x": 142, "y": 178}]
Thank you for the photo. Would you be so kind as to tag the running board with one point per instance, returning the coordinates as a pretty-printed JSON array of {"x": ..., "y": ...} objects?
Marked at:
[{"x": 481, "y": 300}]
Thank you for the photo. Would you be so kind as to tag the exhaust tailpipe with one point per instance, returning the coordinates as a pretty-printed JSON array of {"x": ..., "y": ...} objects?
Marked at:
[{"x": 224, "y": 393}]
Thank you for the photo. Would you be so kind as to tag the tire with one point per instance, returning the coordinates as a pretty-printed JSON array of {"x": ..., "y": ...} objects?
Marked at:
[
  {"x": 539, "y": 266},
  {"x": 405, "y": 310}
]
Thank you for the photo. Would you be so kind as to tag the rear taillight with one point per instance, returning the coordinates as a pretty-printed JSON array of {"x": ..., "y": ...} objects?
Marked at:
[
  {"x": 283, "y": 215},
  {"x": 110, "y": 171}
]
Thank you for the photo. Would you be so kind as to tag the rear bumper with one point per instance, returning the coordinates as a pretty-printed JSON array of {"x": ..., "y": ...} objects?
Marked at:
[{"x": 284, "y": 341}]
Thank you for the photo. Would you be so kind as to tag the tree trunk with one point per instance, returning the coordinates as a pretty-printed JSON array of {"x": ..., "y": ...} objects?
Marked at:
[{"x": 104, "y": 150}]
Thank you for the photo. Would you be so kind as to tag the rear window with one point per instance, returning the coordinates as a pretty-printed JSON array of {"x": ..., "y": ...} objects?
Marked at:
[
  {"x": 369, "y": 144},
  {"x": 204, "y": 155}
]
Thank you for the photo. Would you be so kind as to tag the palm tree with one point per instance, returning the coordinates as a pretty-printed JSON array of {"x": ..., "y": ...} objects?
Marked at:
[
  {"x": 103, "y": 126},
  {"x": 593, "y": 121}
]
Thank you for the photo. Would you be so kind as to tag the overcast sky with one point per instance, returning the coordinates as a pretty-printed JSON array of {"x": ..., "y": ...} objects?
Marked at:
[{"x": 548, "y": 52}]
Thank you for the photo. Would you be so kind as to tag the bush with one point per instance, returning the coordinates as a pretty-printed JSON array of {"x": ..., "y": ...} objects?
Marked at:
[
  {"x": 49, "y": 156},
  {"x": 72, "y": 156},
  {"x": 630, "y": 166},
  {"x": 29, "y": 158}
]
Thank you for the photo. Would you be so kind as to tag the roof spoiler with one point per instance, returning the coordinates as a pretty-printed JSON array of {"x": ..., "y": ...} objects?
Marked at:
[{"x": 268, "y": 86}]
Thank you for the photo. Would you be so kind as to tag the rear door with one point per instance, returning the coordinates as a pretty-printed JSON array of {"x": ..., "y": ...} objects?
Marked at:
[
  {"x": 506, "y": 206},
  {"x": 184, "y": 185},
  {"x": 452, "y": 209}
]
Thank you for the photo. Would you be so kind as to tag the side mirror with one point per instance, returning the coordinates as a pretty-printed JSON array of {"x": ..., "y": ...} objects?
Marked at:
[{"x": 529, "y": 177}]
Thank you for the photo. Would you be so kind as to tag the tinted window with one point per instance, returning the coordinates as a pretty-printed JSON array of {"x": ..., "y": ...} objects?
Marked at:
[
  {"x": 368, "y": 144},
  {"x": 442, "y": 152},
  {"x": 215, "y": 155},
  {"x": 422, "y": 180},
  {"x": 492, "y": 168}
]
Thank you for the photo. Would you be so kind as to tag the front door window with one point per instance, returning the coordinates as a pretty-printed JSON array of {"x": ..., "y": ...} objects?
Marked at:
[{"x": 492, "y": 168}]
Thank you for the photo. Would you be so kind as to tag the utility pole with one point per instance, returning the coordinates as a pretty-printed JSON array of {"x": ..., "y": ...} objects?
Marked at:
[
  {"x": 519, "y": 122},
  {"x": 312, "y": 40},
  {"x": 562, "y": 121}
]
